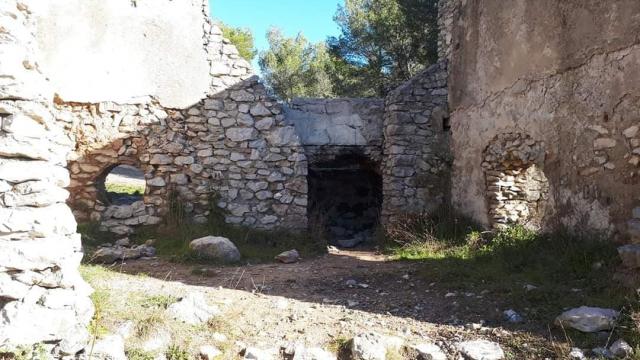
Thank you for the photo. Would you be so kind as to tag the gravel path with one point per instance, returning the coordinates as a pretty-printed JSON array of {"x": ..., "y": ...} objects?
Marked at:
[{"x": 337, "y": 296}]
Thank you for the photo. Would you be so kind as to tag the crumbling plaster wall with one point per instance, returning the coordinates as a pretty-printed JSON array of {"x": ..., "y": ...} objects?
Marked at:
[
  {"x": 229, "y": 144},
  {"x": 565, "y": 74},
  {"x": 123, "y": 50}
]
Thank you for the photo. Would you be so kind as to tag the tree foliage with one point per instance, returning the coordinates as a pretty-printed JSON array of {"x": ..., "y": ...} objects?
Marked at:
[
  {"x": 293, "y": 67},
  {"x": 242, "y": 39},
  {"x": 383, "y": 43}
]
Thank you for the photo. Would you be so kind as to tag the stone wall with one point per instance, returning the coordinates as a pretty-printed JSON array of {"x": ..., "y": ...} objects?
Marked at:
[
  {"x": 328, "y": 128},
  {"x": 42, "y": 296},
  {"x": 565, "y": 81},
  {"x": 343, "y": 140},
  {"x": 231, "y": 150},
  {"x": 416, "y": 159}
]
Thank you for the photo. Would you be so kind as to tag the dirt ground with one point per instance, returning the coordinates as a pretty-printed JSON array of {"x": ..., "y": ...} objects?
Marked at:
[{"x": 325, "y": 300}]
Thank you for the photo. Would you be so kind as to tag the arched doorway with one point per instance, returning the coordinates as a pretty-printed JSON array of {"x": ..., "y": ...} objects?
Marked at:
[
  {"x": 517, "y": 188},
  {"x": 345, "y": 198},
  {"x": 121, "y": 185}
]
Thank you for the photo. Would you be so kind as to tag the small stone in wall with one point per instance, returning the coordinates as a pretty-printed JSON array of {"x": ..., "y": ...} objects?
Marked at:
[
  {"x": 160, "y": 159},
  {"x": 242, "y": 95},
  {"x": 634, "y": 227},
  {"x": 156, "y": 182},
  {"x": 184, "y": 160},
  {"x": 240, "y": 134},
  {"x": 630, "y": 256},
  {"x": 260, "y": 110}
]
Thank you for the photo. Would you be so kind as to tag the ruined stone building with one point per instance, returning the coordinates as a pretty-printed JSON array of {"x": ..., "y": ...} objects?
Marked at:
[{"x": 531, "y": 116}]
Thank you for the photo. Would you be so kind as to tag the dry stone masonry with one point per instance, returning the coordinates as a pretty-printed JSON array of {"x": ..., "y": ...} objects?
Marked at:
[
  {"x": 342, "y": 139},
  {"x": 416, "y": 160},
  {"x": 43, "y": 299},
  {"x": 546, "y": 135},
  {"x": 233, "y": 147},
  {"x": 517, "y": 189},
  {"x": 575, "y": 94}
]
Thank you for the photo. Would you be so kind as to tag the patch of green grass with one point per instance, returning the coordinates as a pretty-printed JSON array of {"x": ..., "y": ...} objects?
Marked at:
[
  {"x": 129, "y": 189},
  {"x": 137, "y": 354},
  {"x": 256, "y": 246},
  {"x": 35, "y": 352},
  {"x": 101, "y": 303},
  {"x": 176, "y": 352},
  {"x": 339, "y": 344},
  {"x": 148, "y": 322},
  {"x": 568, "y": 270},
  {"x": 95, "y": 273},
  {"x": 146, "y": 310},
  {"x": 159, "y": 301}
]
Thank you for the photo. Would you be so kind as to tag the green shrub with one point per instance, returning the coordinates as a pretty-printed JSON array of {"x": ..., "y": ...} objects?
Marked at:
[
  {"x": 159, "y": 301},
  {"x": 137, "y": 354},
  {"x": 176, "y": 352}
]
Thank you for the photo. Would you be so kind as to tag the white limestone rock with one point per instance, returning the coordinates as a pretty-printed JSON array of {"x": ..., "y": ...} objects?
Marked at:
[
  {"x": 373, "y": 346},
  {"x": 621, "y": 349},
  {"x": 576, "y": 354},
  {"x": 109, "y": 348},
  {"x": 192, "y": 309},
  {"x": 56, "y": 219},
  {"x": 11, "y": 289},
  {"x": 215, "y": 248},
  {"x": 588, "y": 319},
  {"x": 313, "y": 353},
  {"x": 481, "y": 350},
  {"x": 157, "y": 341},
  {"x": 430, "y": 352},
  {"x": 252, "y": 353},
  {"x": 288, "y": 257},
  {"x": 209, "y": 352},
  {"x": 30, "y": 323}
]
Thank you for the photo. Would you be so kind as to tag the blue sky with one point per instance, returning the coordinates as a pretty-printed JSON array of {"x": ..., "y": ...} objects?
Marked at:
[{"x": 313, "y": 17}]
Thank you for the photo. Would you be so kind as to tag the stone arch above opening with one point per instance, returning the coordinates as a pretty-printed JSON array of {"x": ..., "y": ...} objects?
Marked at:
[{"x": 517, "y": 190}]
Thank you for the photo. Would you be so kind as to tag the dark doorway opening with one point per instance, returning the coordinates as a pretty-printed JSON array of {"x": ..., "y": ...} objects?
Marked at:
[
  {"x": 121, "y": 185},
  {"x": 345, "y": 198}
]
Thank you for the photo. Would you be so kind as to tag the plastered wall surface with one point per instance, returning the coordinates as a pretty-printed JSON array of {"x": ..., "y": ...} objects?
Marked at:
[
  {"x": 568, "y": 77},
  {"x": 121, "y": 50}
]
